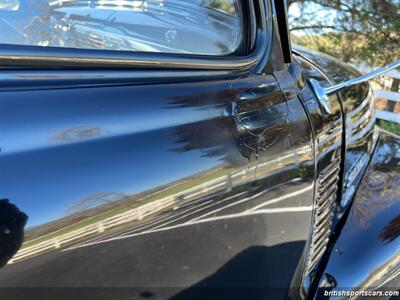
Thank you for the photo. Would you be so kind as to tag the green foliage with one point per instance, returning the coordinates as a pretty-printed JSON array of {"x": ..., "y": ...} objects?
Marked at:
[
  {"x": 352, "y": 30},
  {"x": 227, "y": 6},
  {"x": 390, "y": 126}
]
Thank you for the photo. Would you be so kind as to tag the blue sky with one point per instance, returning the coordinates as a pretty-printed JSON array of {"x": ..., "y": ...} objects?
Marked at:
[{"x": 324, "y": 16}]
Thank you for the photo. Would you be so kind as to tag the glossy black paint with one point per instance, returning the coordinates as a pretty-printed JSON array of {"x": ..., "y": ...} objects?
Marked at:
[
  {"x": 12, "y": 226},
  {"x": 359, "y": 112},
  {"x": 90, "y": 150},
  {"x": 229, "y": 160},
  {"x": 183, "y": 182},
  {"x": 359, "y": 134},
  {"x": 366, "y": 254}
]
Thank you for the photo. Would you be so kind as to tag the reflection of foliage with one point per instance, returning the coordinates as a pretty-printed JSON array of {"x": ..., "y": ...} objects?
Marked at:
[
  {"x": 390, "y": 126},
  {"x": 226, "y": 6},
  {"x": 377, "y": 185},
  {"x": 110, "y": 204},
  {"x": 380, "y": 187},
  {"x": 250, "y": 127},
  {"x": 213, "y": 138},
  {"x": 94, "y": 200}
]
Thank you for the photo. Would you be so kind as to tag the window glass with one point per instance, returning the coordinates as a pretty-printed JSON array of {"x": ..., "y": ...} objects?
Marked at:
[{"x": 211, "y": 27}]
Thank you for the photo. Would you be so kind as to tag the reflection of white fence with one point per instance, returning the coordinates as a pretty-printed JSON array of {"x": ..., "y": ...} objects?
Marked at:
[
  {"x": 214, "y": 185},
  {"x": 221, "y": 184},
  {"x": 389, "y": 96}
]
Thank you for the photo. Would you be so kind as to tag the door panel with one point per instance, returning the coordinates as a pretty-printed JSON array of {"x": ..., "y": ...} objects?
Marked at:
[{"x": 174, "y": 190}]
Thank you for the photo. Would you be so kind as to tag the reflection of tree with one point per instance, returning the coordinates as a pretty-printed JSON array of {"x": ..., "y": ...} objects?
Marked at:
[
  {"x": 85, "y": 207},
  {"x": 229, "y": 29},
  {"x": 214, "y": 138},
  {"x": 216, "y": 98},
  {"x": 247, "y": 128},
  {"x": 94, "y": 200},
  {"x": 388, "y": 156},
  {"x": 391, "y": 231},
  {"x": 227, "y": 6},
  {"x": 39, "y": 30},
  {"x": 221, "y": 137},
  {"x": 380, "y": 187}
]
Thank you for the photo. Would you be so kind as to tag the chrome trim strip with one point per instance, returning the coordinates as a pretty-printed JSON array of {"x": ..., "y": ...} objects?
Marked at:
[
  {"x": 33, "y": 80},
  {"x": 327, "y": 184},
  {"x": 344, "y": 85},
  {"x": 65, "y": 77},
  {"x": 362, "y": 120},
  {"x": 367, "y": 127},
  {"x": 323, "y": 93},
  {"x": 367, "y": 101},
  {"x": 352, "y": 119},
  {"x": 22, "y": 56}
]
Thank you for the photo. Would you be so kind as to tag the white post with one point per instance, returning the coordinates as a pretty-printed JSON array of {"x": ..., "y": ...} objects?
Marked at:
[
  {"x": 228, "y": 184},
  {"x": 139, "y": 212},
  {"x": 100, "y": 227},
  {"x": 56, "y": 243}
]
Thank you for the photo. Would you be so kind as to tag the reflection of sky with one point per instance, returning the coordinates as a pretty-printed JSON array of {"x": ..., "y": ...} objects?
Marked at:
[
  {"x": 320, "y": 15},
  {"x": 131, "y": 153},
  {"x": 41, "y": 132},
  {"x": 125, "y": 165}
]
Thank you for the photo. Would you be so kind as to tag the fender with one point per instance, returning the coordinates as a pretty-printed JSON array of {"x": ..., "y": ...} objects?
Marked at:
[{"x": 366, "y": 255}]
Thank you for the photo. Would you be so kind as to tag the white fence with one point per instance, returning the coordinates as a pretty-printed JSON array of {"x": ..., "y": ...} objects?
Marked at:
[
  {"x": 223, "y": 183},
  {"x": 389, "y": 96}
]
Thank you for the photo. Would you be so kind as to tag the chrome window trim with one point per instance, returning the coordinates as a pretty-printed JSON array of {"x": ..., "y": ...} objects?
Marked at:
[
  {"x": 21, "y": 56},
  {"x": 32, "y": 79}
]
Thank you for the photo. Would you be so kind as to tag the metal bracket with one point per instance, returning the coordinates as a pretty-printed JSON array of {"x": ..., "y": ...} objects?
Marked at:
[{"x": 321, "y": 95}]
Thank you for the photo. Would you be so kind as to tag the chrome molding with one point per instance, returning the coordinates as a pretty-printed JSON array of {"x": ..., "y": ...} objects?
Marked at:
[
  {"x": 327, "y": 186},
  {"x": 22, "y": 56},
  {"x": 344, "y": 85},
  {"x": 322, "y": 93},
  {"x": 35, "y": 80}
]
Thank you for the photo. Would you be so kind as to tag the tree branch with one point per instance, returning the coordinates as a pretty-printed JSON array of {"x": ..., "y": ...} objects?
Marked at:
[{"x": 312, "y": 27}]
